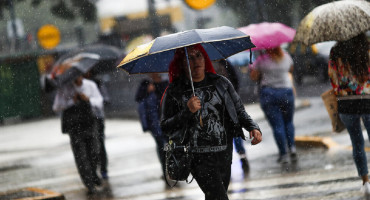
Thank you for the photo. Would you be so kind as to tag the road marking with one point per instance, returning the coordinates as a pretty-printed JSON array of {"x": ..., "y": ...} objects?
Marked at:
[{"x": 32, "y": 193}]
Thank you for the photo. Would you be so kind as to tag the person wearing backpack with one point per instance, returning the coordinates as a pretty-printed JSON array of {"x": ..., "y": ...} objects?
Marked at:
[{"x": 207, "y": 119}]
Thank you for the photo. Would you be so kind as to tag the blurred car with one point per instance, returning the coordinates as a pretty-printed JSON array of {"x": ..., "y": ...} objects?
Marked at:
[{"x": 311, "y": 61}]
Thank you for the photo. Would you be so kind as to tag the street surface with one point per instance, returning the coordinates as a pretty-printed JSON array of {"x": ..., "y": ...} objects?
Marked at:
[{"x": 37, "y": 154}]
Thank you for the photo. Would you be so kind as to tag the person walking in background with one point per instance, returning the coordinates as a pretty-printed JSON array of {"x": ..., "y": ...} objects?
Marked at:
[
  {"x": 148, "y": 96},
  {"x": 225, "y": 68},
  {"x": 210, "y": 118},
  {"x": 272, "y": 70},
  {"x": 77, "y": 101},
  {"x": 100, "y": 122},
  {"x": 349, "y": 72}
]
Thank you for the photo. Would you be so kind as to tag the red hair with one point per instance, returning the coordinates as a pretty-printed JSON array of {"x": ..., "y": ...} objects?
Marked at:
[
  {"x": 176, "y": 68},
  {"x": 276, "y": 53}
]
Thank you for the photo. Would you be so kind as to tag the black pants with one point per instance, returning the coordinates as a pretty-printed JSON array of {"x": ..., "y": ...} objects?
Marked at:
[
  {"x": 212, "y": 172},
  {"x": 85, "y": 147},
  {"x": 102, "y": 153}
]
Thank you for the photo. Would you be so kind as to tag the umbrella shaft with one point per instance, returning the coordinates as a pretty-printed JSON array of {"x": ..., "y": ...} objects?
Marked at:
[
  {"x": 191, "y": 82},
  {"x": 191, "y": 79}
]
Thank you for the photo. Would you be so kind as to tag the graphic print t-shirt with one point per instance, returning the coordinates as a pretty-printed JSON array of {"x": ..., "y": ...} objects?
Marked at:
[{"x": 212, "y": 114}]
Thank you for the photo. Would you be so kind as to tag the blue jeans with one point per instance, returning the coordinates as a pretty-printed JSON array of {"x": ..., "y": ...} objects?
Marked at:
[
  {"x": 353, "y": 125},
  {"x": 278, "y": 106},
  {"x": 239, "y": 145}
]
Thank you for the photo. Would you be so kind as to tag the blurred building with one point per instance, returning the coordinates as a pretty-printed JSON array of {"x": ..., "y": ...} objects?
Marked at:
[{"x": 142, "y": 17}]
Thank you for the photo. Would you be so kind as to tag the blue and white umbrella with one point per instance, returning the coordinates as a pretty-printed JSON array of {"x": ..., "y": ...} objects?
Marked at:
[{"x": 155, "y": 56}]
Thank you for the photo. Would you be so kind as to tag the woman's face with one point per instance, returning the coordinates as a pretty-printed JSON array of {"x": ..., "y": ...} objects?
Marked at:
[{"x": 197, "y": 64}]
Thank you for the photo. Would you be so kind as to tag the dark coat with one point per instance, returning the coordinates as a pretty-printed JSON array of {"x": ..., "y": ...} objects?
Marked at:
[
  {"x": 175, "y": 113},
  {"x": 142, "y": 92},
  {"x": 148, "y": 103}
]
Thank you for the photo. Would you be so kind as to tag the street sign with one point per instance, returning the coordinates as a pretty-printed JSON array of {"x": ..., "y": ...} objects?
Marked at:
[
  {"x": 199, "y": 4},
  {"x": 48, "y": 36}
]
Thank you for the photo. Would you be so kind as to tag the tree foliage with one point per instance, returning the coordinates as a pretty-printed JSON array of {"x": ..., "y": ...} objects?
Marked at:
[{"x": 65, "y": 9}]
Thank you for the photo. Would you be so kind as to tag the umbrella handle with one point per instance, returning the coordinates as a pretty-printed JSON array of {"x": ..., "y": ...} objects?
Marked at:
[{"x": 250, "y": 56}]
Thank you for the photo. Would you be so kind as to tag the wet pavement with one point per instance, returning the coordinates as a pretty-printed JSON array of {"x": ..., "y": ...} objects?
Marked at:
[{"x": 37, "y": 154}]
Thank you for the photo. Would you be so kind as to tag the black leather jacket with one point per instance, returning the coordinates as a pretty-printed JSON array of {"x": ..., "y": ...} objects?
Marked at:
[{"x": 175, "y": 113}]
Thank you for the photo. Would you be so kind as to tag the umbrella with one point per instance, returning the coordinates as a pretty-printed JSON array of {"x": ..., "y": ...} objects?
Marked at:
[
  {"x": 87, "y": 57},
  {"x": 267, "y": 35},
  {"x": 338, "y": 20},
  {"x": 96, "y": 58},
  {"x": 155, "y": 56}
]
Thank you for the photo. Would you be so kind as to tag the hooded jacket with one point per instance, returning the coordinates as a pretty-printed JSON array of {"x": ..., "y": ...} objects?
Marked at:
[{"x": 175, "y": 113}]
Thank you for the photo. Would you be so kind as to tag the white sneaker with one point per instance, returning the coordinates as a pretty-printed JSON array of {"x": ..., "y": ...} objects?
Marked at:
[{"x": 366, "y": 190}]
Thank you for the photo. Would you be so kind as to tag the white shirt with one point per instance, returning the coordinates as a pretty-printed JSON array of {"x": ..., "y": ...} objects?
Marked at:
[
  {"x": 274, "y": 74},
  {"x": 64, "y": 96}
]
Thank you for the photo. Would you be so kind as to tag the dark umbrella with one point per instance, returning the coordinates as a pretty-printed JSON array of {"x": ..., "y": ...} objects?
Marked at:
[
  {"x": 97, "y": 58},
  {"x": 155, "y": 56}
]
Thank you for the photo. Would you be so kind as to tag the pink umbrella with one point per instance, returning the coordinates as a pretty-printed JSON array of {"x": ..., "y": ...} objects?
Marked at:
[{"x": 268, "y": 35}]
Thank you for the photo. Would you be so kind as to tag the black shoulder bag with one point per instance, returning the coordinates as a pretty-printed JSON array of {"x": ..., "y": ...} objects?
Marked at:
[{"x": 178, "y": 162}]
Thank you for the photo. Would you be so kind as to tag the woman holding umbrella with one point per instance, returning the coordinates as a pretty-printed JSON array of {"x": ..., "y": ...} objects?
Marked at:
[
  {"x": 210, "y": 115},
  {"x": 349, "y": 72}
]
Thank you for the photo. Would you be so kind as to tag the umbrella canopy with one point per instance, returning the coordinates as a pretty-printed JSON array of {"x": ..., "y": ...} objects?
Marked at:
[
  {"x": 97, "y": 58},
  {"x": 88, "y": 57},
  {"x": 155, "y": 56},
  {"x": 267, "y": 35},
  {"x": 338, "y": 20}
]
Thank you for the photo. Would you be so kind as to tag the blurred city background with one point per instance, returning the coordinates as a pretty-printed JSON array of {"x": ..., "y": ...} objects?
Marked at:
[
  {"x": 35, "y": 156},
  {"x": 35, "y": 33}
]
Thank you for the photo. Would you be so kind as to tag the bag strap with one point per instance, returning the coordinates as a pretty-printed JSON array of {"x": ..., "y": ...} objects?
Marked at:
[
  {"x": 188, "y": 182},
  {"x": 172, "y": 186}
]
